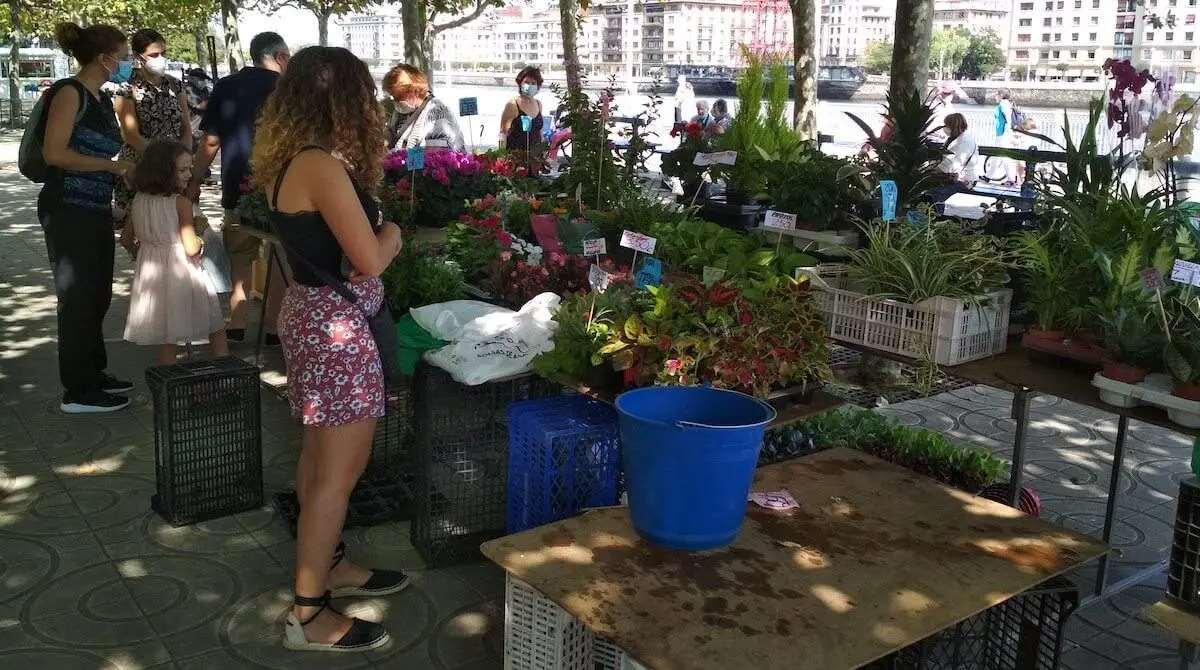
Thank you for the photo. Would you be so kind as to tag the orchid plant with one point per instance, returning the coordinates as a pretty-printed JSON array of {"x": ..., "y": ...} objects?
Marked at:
[{"x": 1171, "y": 135}]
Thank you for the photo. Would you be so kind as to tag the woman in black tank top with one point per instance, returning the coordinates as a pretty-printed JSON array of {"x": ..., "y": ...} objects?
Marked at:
[
  {"x": 318, "y": 151},
  {"x": 521, "y": 123}
]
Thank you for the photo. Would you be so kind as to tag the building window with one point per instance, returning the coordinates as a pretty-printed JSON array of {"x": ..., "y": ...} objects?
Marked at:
[
  {"x": 1075, "y": 21},
  {"x": 1046, "y": 22},
  {"x": 1170, "y": 37},
  {"x": 1057, "y": 37},
  {"x": 1045, "y": 37},
  {"x": 1091, "y": 55},
  {"x": 1026, "y": 6},
  {"x": 1187, "y": 54},
  {"x": 1045, "y": 55},
  {"x": 1025, "y": 23},
  {"x": 1023, "y": 37},
  {"x": 1149, "y": 37},
  {"x": 1147, "y": 53},
  {"x": 1022, "y": 54},
  {"x": 1056, "y": 54},
  {"x": 1188, "y": 37},
  {"x": 1091, "y": 37}
]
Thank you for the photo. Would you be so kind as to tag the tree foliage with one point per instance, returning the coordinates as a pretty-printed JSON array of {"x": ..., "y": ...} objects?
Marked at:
[
  {"x": 877, "y": 57},
  {"x": 420, "y": 19},
  {"x": 323, "y": 10},
  {"x": 946, "y": 50},
  {"x": 39, "y": 17},
  {"x": 984, "y": 56}
]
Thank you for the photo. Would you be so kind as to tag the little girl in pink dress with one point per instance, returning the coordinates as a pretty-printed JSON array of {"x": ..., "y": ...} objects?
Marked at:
[{"x": 172, "y": 300}]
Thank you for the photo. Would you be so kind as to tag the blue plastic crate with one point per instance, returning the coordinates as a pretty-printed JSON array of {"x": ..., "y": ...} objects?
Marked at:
[{"x": 564, "y": 456}]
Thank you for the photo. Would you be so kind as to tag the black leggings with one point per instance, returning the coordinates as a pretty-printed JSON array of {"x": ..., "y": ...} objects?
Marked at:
[{"x": 81, "y": 246}]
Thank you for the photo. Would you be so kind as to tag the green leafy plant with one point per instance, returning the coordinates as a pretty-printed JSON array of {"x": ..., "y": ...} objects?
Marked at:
[
  {"x": 587, "y": 324},
  {"x": 1182, "y": 352},
  {"x": 806, "y": 184},
  {"x": 908, "y": 155},
  {"x": 416, "y": 278},
  {"x": 693, "y": 245},
  {"x": 1053, "y": 283}
]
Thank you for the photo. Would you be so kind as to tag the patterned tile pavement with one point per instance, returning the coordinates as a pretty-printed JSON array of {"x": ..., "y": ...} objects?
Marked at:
[{"x": 91, "y": 579}]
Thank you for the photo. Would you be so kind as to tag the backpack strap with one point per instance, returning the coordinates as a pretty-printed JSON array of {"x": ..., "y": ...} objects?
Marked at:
[{"x": 79, "y": 88}]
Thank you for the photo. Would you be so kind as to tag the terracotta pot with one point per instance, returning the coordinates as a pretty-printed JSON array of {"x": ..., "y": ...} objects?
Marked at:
[
  {"x": 1187, "y": 391},
  {"x": 1122, "y": 372},
  {"x": 1047, "y": 335}
]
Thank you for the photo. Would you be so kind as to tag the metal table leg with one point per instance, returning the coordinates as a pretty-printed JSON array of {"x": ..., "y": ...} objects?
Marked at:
[
  {"x": 1110, "y": 511},
  {"x": 1020, "y": 413},
  {"x": 1187, "y": 654}
]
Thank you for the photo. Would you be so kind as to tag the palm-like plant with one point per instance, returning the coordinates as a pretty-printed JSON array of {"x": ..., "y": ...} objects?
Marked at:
[
  {"x": 1049, "y": 277},
  {"x": 909, "y": 155}
]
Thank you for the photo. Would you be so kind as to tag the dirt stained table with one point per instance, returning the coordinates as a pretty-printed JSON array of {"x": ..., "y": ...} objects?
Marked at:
[{"x": 875, "y": 559}]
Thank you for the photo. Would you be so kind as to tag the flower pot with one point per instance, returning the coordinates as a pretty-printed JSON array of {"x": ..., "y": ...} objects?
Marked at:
[
  {"x": 545, "y": 229},
  {"x": 603, "y": 377},
  {"x": 1123, "y": 372},
  {"x": 1047, "y": 335},
  {"x": 1187, "y": 391}
]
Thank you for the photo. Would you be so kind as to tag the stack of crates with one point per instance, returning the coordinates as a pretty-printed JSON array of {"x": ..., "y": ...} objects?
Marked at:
[
  {"x": 460, "y": 447},
  {"x": 1183, "y": 572},
  {"x": 563, "y": 457},
  {"x": 207, "y": 439}
]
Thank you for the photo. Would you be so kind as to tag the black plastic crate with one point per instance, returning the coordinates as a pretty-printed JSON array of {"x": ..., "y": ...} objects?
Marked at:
[
  {"x": 207, "y": 439},
  {"x": 1183, "y": 572},
  {"x": 371, "y": 503},
  {"x": 461, "y": 451},
  {"x": 391, "y": 450},
  {"x": 1022, "y": 633}
]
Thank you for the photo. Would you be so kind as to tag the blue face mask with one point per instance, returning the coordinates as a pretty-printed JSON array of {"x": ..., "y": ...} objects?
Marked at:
[
  {"x": 529, "y": 90},
  {"x": 123, "y": 72}
]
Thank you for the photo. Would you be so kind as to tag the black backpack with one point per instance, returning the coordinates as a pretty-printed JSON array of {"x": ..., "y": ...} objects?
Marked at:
[{"x": 29, "y": 159}]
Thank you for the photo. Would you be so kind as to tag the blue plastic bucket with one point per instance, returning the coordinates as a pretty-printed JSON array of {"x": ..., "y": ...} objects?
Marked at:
[{"x": 689, "y": 454}]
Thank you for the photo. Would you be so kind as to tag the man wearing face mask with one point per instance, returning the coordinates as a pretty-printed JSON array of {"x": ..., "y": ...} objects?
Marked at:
[
  {"x": 521, "y": 122},
  {"x": 228, "y": 126},
  {"x": 151, "y": 105}
]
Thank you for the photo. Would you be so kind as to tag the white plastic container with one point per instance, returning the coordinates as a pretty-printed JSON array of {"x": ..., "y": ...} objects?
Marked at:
[
  {"x": 947, "y": 331},
  {"x": 1150, "y": 392}
]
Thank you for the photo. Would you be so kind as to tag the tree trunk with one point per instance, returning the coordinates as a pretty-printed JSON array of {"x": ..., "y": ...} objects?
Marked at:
[
  {"x": 201, "y": 47},
  {"x": 233, "y": 43},
  {"x": 910, "y": 53},
  {"x": 16, "y": 108},
  {"x": 323, "y": 29},
  {"x": 804, "y": 55},
  {"x": 418, "y": 46},
  {"x": 569, "y": 15}
]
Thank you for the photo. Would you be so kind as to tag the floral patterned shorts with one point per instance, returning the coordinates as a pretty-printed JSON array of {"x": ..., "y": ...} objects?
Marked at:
[{"x": 333, "y": 369}]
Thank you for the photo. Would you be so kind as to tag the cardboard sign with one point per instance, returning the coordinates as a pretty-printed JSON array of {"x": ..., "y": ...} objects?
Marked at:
[
  {"x": 598, "y": 279},
  {"x": 889, "y": 196},
  {"x": 638, "y": 242},
  {"x": 526, "y": 123},
  {"x": 718, "y": 158},
  {"x": 595, "y": 247},
  {"x": 712, "y": 275},
  {"x": 415, "y": 159},
  {"x": 650, "y": 274},
  {"x": 1186, "y": 272},
  {"x": 1151, "y": 279},
  {"x": 468, "y": 106},
  {"x": 779, "y": 220}
]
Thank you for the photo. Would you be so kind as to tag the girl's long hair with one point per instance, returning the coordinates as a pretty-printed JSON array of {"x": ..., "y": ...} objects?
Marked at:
[{"x": 325, "y": 97}]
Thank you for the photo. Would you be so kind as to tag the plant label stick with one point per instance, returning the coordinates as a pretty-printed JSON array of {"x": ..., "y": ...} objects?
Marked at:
[
  {"x": 1186, "y": 272},
  {"x": 638, "y": 242},
  {"x": 595, "y": 247},
  {"x": 889, "y": 196}
]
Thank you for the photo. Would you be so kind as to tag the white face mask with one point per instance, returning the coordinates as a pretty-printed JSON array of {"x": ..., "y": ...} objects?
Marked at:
[
  {"x": 405, "y": 107},
  {"x": 156, "y": 66}
]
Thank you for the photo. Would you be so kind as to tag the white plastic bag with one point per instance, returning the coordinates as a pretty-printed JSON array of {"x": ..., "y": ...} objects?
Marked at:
[
  {"x": 215, "y": 262},
  {"x": 495, "y": 343}
]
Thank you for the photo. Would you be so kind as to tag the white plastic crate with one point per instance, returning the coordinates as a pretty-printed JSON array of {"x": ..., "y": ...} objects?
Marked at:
[
  {"x": 947, "y": 331},
  {"x": 540, "y": 635}
]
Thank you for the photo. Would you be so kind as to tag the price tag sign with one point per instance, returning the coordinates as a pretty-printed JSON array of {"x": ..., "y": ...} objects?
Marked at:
[
  {"x": 1186, "y": 272},
  {"x": 780, "y": 500},
  {"x": 598, "y": 279},
  {"x": 468, "y": 106},
  {"x": 415, "y": 159},
  {"x": 526, "y": 123},
  {"x": 779, "y": 220},
  {"x": 712, "y": 275},
  {"x": 650, "y": 274},
  {"x": 638, "y": 242},
  {"x": 717, "y": 158},
  {"x": 889, "y": 195},
  {"x": 1151, "y": 279},
  {"x": 595, "y": 247}
]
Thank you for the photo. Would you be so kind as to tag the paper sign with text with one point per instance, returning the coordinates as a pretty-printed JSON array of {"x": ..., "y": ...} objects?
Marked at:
[
  {"x": 1186, "y": 272},
  {"x": 889, "y": 195},
  {"x": 718, "y": 158},
  {"x": 598, "y": 279},
  {"x": 468, "y": 106},
  {"x": 595, "y": 247},
  {"x": 415, "y": 159},
  {"x": 638, "y": 242},
  {"x": 779, "y": 220},
  {"x": 649, "y": 274},
  {"x": 712, "y": 275}
]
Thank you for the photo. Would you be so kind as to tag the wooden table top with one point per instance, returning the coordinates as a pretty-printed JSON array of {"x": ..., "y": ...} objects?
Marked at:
[
  {"x": 876, "y": 558},
  {"x": 1175, "y": 618}
]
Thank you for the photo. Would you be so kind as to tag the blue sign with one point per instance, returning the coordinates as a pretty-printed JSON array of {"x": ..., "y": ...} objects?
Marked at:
[
  {"x": 889, "y": 195},
  {"x": 416, "y": 159},
  {"x": 650, "y": 274},
  {"x": 526, "y": 123},
  {"x": 468, "y": 106},
  {"x": 916, "y": 218}
]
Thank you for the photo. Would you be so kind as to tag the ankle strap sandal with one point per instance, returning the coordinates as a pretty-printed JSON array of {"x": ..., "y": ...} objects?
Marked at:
[
  {"x": 380, "y": 583},
  {"x": 362, "y": 636}
]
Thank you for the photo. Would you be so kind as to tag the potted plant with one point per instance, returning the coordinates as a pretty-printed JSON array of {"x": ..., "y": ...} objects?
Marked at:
[
  {"x": 1048, "y": 281},
  {"x": 1132, "y": 339},
  {"x": 680, "y": 162},
  {"x": 1182, "y": 353},
  {"x": 436, "y": 194}
]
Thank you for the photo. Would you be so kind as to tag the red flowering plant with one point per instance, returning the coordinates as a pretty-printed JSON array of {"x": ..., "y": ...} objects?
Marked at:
[
  {"x": 1127, "y": 85},
  {"x": 514, "y": 281},
  {"x": 680, "y": 162},
  {"x": 436, "y": 194},
  {"x": 477, "y": 239},
  {"x": 252, "y": 206}
]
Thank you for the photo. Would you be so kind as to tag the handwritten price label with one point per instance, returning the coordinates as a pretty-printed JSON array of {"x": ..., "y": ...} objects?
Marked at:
[
  {"x": 779, "y": 220},
  {"x": 650, "y": 273},
  {"x": 1186, "y": 272},
  {"x": 638, "y": 242},
  {"x": 598, "y": 279},
  {"x": 717, "y": 158},
  {"x": 712, "y": 275},
  {"x": 595, "y": 247},
  {"x": 415, "y": 159}
]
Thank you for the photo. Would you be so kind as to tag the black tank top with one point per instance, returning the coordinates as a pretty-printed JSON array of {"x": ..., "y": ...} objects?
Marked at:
[
  {"x": 307, "y": 234},
  {"x": 517, "y": 139}
]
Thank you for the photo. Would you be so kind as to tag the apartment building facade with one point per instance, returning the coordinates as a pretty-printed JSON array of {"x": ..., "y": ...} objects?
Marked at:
[
  {"x": 845, "y": 28},
  {"x": 977, "y": 16}
]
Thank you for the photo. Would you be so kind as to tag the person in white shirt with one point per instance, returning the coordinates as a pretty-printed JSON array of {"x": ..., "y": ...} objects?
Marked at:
[
  {"x": 962, "y": 150},
  {"x": 685, "y": 100}
]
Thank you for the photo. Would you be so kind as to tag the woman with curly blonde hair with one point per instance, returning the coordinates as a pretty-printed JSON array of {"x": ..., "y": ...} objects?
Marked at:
[{"x": 318, "y": 152}]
